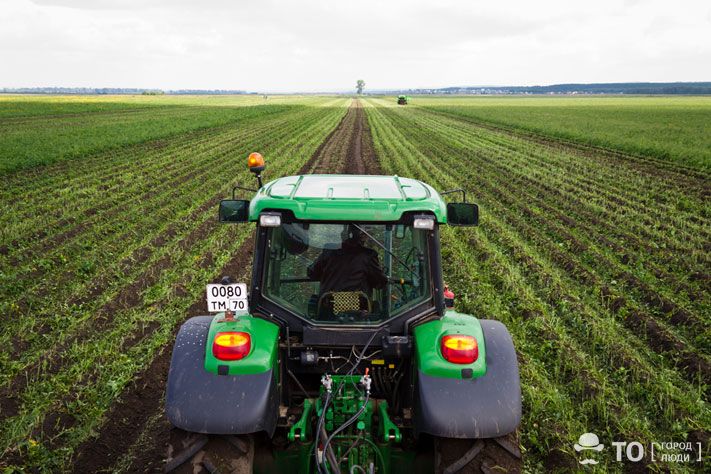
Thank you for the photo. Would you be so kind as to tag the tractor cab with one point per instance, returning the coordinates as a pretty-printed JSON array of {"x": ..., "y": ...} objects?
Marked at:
[
  {"x": 347, "y": 251},
  {"x": 341, "y": 355}
]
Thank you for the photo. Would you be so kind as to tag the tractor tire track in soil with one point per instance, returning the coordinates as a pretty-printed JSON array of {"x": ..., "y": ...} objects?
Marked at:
[
  {"x": 348, "y": 148},
  {"x": 361, "y": 150}
]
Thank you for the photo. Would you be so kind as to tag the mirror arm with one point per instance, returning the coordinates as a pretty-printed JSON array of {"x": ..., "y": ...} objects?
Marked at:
[
  {"x": 236, "y": 187},
  {"x": 458, "y": 190}
]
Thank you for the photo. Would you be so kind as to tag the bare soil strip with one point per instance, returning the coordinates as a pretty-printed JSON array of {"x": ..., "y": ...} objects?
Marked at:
[
  {"x": 348, "y": 148},
  {"x": 361, "y": 151}
]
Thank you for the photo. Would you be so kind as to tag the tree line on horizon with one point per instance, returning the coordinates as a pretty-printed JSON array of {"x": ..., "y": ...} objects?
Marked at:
[{"x": 636, "y": 88}]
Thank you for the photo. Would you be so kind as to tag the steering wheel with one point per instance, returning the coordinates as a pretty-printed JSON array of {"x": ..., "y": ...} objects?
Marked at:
[
  {"x": 409, "y": 262},
  {"x": 410, "y": 257},
  {"x": 399, "y": 285}
]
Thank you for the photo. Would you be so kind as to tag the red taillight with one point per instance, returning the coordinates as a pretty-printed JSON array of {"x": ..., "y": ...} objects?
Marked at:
[
  {"x": 459, "y": 348},
  {"x": 231, "y": 345}
]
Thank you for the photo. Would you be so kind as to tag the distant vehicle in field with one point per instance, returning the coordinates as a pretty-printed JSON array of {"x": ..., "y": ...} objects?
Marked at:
[{"x": 403, "y": 99}]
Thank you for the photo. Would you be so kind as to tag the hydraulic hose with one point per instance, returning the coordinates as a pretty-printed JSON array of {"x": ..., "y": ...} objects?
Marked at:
[
  {"x": 360, "y": 357},
  {"x": 328, "y": 452},
  {"x": 318, "y": 431},
  {"x": 347, "y": 423}
]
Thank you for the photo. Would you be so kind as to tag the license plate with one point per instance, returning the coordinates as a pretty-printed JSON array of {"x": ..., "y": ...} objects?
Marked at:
[{"x": 223, "y": 297}]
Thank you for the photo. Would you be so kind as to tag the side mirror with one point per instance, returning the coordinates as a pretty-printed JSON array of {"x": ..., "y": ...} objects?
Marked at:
[
  {"x": 462, "y": 213},
  {"x": 234, "y": 210}
]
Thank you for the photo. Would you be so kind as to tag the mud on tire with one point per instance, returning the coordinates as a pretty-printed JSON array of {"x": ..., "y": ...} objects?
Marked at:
[
  {"x": 197, "y": 453},
  {"x": 467, "y": 456}
]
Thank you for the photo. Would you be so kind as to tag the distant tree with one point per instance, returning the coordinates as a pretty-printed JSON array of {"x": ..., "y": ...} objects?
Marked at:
[{"x": 360, "y": 85}]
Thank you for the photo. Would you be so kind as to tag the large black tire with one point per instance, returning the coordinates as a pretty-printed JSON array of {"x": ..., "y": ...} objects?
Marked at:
[
  {"x": 190, "y": 453},
  {"x": 468, "y": 456}
]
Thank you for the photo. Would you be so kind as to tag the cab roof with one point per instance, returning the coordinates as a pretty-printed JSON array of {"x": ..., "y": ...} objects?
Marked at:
[{"x": 348, "y": 198}]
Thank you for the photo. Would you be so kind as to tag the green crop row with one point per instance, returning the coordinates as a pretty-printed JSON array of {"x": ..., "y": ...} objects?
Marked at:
[
  {"x": 583, "y": 218},
  {"x": 151, "y": 258},
  {"x": 539, "y": 263},
  {"x": 71, "y": 266}
]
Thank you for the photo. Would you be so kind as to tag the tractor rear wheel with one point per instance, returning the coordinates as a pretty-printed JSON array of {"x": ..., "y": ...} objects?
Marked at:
[
  {"x": 197, "y": 453},
  {"x": 467, "y": 456}
]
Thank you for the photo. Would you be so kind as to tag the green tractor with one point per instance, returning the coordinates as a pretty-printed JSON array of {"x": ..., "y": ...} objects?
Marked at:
[
  {"x": 403, "y": 99},
  {"x": 344, "y": 353}
]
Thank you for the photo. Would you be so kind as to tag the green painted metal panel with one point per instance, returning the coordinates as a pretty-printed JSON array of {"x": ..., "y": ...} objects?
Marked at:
[
  {"x": 348, "y": 198},
  {"x": 263, "y": 352},
  {"x": 427, "y": 345}
]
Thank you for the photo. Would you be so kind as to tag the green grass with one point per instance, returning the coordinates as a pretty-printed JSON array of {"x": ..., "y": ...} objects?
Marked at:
[{"x": 677, "y": 129}]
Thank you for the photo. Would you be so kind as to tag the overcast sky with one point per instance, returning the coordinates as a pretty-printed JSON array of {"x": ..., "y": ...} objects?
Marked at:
[{"x": 326, "y": 45}]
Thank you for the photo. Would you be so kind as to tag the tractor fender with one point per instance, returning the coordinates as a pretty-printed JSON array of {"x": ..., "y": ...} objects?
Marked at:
[
  {"x": 484, "y": 407},
  {"x": 202, "y": 402}
]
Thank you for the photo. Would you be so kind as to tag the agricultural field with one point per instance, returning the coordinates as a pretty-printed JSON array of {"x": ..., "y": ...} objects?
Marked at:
[
  {"x": 103, "y": 257},
  {"x": 39, "y": 131},
  {"x": 593, "y": 249},
  {"x": 596, "y": 261},
  {"x": 676, "y": 129}
]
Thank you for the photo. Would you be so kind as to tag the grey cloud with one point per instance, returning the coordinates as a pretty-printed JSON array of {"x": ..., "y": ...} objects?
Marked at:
[
  {"x": 137, "y": 4},
  {"x": 325, "y": 44}
]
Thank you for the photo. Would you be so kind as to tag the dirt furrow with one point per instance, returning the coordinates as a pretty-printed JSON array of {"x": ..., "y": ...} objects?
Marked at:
[
  {"x": 348, "y": 148},
  {"x": 361, "y": 157}
]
